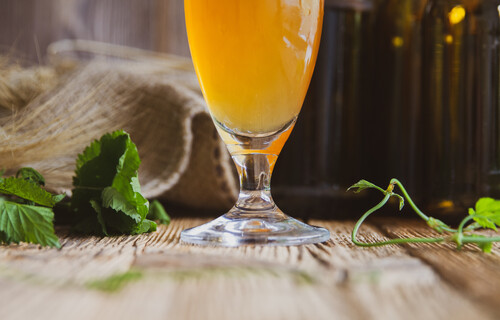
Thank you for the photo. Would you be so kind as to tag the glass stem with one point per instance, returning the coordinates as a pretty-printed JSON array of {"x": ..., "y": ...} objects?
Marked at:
[{"x": 255, "y": 171}]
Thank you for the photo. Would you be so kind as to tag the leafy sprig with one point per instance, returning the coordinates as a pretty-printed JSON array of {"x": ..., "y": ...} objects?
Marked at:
[
  {"x": 107, "y": 195},
  {"x": 26, "y": 213},
  {"x": 486, "y": 214}
]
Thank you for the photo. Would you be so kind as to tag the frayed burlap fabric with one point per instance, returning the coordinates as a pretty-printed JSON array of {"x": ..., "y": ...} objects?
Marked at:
[{"x": 49, "y": 114}]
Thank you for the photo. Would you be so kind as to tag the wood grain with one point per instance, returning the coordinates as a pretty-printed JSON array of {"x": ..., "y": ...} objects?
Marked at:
[
  {"x": 333, "y": 280},
  {"x": 471, "y": 272},
  {"x": 29, "y": 26}
]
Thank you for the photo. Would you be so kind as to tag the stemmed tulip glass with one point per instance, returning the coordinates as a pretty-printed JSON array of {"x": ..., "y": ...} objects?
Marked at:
[{"x": 254, "y": 60}]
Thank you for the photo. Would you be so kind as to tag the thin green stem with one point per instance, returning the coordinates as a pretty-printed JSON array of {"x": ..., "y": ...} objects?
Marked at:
[
  {"x": 410, "y": 201},
  {"x": 415, "y": 208},
  {"x": 380, "y": 189},
  {"x": 383, "y": 243},
  {"x": 463, "y": 222},
  {"x": 457, "y": 235},
  {"x": 466, "y": 239},
  {"x": 363, "y": 218}
]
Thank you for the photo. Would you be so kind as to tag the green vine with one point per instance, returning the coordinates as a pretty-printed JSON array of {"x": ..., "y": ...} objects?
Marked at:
[{"x": 485, "y": 215}]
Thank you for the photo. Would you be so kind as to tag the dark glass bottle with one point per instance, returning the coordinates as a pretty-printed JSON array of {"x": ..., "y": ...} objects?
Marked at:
[
  {"x": 461, "y": 106},
  {"x": 324, "y": 153},
  {"x": 396, "y": 119},
  {"x": 402, "y": 88}
]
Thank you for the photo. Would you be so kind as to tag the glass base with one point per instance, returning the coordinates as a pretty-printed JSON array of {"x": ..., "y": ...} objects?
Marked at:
[{"x": 242, "y": 227}]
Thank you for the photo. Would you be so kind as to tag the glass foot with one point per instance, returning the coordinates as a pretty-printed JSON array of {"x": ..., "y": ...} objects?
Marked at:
[{"x": 238, "y": 227}]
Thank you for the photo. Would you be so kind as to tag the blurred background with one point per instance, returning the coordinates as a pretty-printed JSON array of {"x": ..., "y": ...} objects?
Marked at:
[
  {"x": 29, "y": 26},
  {"x": 402, "y": 88}
]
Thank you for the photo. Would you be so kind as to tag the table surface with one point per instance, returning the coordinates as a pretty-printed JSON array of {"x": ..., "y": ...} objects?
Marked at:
[{"x": 154, "y": 276}]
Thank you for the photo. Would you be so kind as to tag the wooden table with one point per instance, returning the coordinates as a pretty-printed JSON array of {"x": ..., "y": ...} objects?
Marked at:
[{"x": 169, "y": 280}]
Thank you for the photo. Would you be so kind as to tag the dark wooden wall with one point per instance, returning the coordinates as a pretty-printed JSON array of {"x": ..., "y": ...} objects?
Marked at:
[{"x": 29, "y": 26}]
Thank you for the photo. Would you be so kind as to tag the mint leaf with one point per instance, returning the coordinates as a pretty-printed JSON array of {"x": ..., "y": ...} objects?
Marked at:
[
  {"x": 98, "y": 209},
  {"x": 90, "y": 152},
  {"x": 29, "y": 191},
  {"x": 20, "y": 219},
  {"x": 112, "y": 198},
  {"x": 32, "y": 224},
  {"x": 146, "y": 226},
  {"x": 157, "y": 212},
  {"x": 486, "y": 213},
  {"x": 362, "y": 185},
  {"x": 107, "y": 195},
  {"x": 31, "y": 175},
  {"x": 124, "y": 216}
]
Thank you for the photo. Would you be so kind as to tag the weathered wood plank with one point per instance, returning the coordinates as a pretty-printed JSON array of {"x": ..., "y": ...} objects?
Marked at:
[
  {"x": 334, "y": 280},
  {"x": 470, "y": 271}
]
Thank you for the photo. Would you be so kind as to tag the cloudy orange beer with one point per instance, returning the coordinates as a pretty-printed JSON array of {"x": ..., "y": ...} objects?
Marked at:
[{"x": 254, "y": 59}]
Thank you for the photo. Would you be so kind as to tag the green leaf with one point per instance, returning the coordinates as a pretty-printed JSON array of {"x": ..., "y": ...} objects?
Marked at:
[
  {"x": 157, "y": 212},
  {"x": 126, "y": 179},
  {"x": 401, "y": 200},
  {"x": 98, "y": 209},
  {"x": 487, "y": 213},
  {"x": 90, "y": 152},
  {"x": 115, "y": 200},
  {"x": 31, "y": 175},
  {"x": 362, "y": 185},
  {"x": 485, "y": 222},
  {"x": 58, "y": 197},
  {"x": 97, "y": 166},
  {"x": 29, "y": 191},
  {"x": 107, "y": 194},
  {"x": 3, "y": 237},
  {"x": 484, "y": 246},
  {"x": 146, "y": 226},
  {"x": 27, "y": 223},
  {"x": 121, "y": 217}
]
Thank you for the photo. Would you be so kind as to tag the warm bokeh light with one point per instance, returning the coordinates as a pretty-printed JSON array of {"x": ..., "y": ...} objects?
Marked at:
[
  {"x": 457, "y": 14},
  {"x": 397, "y": 41}
]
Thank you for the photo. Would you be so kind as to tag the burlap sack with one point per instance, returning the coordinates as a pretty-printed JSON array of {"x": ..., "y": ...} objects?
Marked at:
[{"x": 48, "y": 116}]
